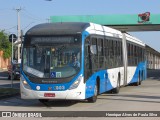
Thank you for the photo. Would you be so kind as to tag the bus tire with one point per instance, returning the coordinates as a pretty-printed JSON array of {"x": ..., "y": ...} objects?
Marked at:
[
  {"x": 93, "y": 99},
  {"x": 116, "y": 90},
  {"x": 43, "y": 100},
  {"x": 138, "y": 81}
]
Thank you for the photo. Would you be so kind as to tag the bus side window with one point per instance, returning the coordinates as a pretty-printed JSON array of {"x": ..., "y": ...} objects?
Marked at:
[
  {"x": 111, "y": 54},
  {"x": 94, "y": 55},
  {"x": 106, "y": 53},
  {"x": 100, "y": 53},
  {"x": 131, "y": 49}
]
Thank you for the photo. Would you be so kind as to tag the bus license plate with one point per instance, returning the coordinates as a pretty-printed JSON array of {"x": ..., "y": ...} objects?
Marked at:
[{"x": 49, "y": 94}]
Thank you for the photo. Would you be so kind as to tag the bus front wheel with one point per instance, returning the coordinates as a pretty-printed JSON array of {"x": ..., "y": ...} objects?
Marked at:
[{"x": 94, "y": 98}]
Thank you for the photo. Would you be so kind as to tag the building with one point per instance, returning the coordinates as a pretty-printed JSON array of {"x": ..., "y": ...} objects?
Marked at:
[
  {"x": 153, "y": 58},
  {"x": 4, "y": 62}
]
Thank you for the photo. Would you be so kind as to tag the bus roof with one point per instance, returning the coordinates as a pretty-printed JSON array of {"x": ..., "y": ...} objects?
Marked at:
[
  {"x": 57, "y": 28},
  {"x": 66, "y": 28}
]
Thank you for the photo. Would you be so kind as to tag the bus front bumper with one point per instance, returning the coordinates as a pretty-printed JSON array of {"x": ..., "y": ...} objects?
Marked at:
[{"x": 75, "y": 94}]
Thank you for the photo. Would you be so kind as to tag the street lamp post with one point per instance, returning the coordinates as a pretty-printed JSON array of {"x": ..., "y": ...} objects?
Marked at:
[
  {"x": 12, "y": 39},
  {"x": 12, "y": 65}
]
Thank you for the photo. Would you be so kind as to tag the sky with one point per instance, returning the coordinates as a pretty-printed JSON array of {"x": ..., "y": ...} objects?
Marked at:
[{"x": 39, "y": 11}]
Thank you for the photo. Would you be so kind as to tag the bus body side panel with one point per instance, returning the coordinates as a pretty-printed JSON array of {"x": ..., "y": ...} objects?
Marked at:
[
  {"x": 91, "y": 82},
  {"x": 139, "y": 71},
  {"x": 108, "y": 80},
  {"x": 131, "y": 74},
  {"x": 113, "y": 76},
  {"x": 122, "y": 76}
]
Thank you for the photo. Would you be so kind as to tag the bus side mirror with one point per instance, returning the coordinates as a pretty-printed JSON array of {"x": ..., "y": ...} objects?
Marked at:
[{"x": 93, "y": 49}]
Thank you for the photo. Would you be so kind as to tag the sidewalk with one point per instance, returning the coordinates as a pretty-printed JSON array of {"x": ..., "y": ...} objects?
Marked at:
[{"x": 2, "y": 70}]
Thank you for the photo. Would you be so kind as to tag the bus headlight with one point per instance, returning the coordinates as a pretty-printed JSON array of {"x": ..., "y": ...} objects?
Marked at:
[
  {"x": 76, "y": 83},
  {"x": 24, "y": 82}
]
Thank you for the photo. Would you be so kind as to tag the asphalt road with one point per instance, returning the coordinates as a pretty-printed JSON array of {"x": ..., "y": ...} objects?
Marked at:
[
  {"x": 3, "y": 75},
  {"x": 145, "y": 97},
  {"x": 131, "y": 98}
]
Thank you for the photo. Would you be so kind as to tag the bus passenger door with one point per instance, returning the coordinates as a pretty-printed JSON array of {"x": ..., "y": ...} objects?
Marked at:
[
  {"x": 47, "y": 55},
  {"x": 87, "y": 61}
]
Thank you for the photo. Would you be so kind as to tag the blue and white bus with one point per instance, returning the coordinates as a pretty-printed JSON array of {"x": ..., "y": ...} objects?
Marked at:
[{"x": 77, "y": 61}]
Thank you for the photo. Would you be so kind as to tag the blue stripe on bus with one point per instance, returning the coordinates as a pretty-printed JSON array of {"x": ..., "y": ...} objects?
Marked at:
[
  {"x": 105, "y": 84},
  {"x": 140, "y": 68}
]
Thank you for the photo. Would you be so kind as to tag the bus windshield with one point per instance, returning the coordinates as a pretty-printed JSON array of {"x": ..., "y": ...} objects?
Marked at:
[{"x": 52, "y": 60}]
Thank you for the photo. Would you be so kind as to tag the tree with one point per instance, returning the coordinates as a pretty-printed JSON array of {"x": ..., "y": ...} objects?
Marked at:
[{"x": 5, "y": 45}]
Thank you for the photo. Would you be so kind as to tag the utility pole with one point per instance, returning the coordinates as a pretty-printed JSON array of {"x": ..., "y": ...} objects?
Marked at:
[
  {"x": 18, "y": 23},
  {"x": 18, "y": 31},
  {"x": 48, "y": 20}
]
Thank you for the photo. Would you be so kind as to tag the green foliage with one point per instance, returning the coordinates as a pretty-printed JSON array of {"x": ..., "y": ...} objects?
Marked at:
[{"x": 5, "y": 45}]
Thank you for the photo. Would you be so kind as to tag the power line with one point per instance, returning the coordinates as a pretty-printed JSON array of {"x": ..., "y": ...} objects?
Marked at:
[
  {"x": 10, "y": 28},
  {"x": 27, "y": 25},
  {"x": 33, "y": 16}
]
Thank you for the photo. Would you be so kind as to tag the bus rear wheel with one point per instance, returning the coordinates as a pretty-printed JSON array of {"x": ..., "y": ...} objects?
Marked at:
[
  {"x": 142, "y": 77},
  {"x": 93, "y": 99},
  {"x": 116, "y": 90},
  {"x": 138, "y": 81}
]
